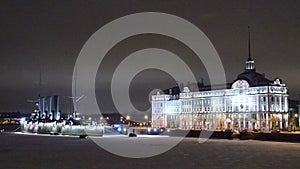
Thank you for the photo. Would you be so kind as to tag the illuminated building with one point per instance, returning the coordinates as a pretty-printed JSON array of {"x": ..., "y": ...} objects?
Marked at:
[{"x": 250, "y": 102}]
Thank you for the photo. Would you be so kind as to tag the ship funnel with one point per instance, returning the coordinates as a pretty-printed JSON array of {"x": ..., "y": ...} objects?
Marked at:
[{"x": 56, "y": 114}]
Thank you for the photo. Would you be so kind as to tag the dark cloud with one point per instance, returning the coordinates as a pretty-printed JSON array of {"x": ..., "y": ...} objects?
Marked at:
[{"x": 47, "y": 36}]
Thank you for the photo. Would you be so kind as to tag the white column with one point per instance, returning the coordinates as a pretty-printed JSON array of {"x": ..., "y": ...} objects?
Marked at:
[
  {"x": 232, "y": 123},
  {"x": 275, "y": 104},
  {"x": 267, "y": 103},
  {"x": 267, "y": 121},
  {"x": 210, "y": 120},
  {"x": 287, "y": 120},
  {"x": 258, "y": 103},
  {"x": 244, "y": 122},
  {"x": 166, "y": 121},
  {"x": 249, "y": 124},
  {"x": 281, "y": 118},
  {"x": 257, "y": 121},
  {"x": 239, "y": 121},
  {"x": 280, "y": 104},
  {"x": 202, "y": 121},
  {"x": 271, "y": 123},
  {"x": 224, "y": 120},
  {"x": 285, "y": 104}
]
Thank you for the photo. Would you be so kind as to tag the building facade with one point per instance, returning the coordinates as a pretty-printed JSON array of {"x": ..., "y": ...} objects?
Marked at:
[{"x": 251, "y": 102}]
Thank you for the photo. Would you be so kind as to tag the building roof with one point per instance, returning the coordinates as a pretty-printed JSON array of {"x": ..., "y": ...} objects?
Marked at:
[{"x": 254, "y": 78}]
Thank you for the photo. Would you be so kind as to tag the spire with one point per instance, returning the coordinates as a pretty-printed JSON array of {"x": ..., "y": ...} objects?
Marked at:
[
  {"x": 249, "y": 44},
  {"x": 249, "y": 62}
]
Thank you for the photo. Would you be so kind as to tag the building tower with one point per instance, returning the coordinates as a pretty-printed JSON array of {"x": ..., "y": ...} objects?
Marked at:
[{"x": 250, "y": 61}]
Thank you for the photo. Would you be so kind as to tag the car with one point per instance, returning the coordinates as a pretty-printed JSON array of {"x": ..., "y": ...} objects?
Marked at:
[{"x": 132, "y": 135}]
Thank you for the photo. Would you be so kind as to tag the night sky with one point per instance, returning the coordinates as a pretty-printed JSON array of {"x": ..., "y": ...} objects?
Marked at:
[{"x": 47, "y": 36}]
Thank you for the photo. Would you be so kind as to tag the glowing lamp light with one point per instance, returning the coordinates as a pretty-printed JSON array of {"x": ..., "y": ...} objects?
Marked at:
[{"x": 22, "y": 120}]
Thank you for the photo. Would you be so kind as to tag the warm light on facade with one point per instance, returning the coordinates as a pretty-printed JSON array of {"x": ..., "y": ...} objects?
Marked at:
[{"x": 243, "y": 106}]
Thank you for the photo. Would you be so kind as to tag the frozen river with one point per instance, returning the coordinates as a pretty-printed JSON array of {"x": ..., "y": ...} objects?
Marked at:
[{"x": 19, "y": 151}]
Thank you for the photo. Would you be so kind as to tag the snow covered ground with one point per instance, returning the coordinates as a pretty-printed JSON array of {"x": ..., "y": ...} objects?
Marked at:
[{"x": 22, "y": 151}]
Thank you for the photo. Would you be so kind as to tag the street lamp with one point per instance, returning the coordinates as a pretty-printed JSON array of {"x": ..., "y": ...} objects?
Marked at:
[{"x": 127, "y": 119}]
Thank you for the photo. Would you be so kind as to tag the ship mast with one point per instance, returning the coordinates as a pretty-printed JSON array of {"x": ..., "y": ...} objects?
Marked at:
[{"x": 75, "y": 94}]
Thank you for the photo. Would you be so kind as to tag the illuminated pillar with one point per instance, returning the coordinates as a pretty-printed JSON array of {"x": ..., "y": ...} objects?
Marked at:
[
  {"x": 249, "y": 121},
  {"x": 200, "y": 120},
  {"x": 239, "y": 121},
  {"x": 260, "y": 115},
  {"x": 287, "y": 120},
  {"x": 193, "y": 120},
  {"x": 258, "y": 103},
  {"x": 280, "y": 119},
  {"x": 204, "y": 120},
  {"x": 267, "y": 102},
  {"x": 225, "y": 121},
  {"x": 257, "y": 121},
  {"x": 166, "y": 120},
  {"x": 244, "y": 121},
  {"x": 285, "y": 104},
  {"x": 210, "y": 120},
  {"x": 271, "y": 125},
  {"x": 275, "y": 104},
  {"x": 221, "y": 121},
  {"x": 232, "y": 123},
  {"x": 180, "y": 121},
  {"x": 280, "y": 104},
  {"x": 267, "y": 121}
]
